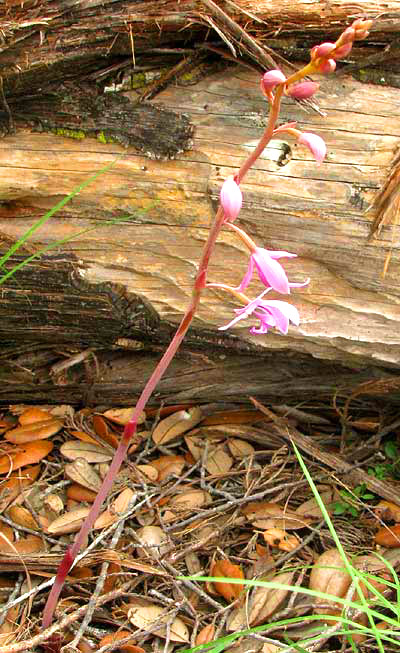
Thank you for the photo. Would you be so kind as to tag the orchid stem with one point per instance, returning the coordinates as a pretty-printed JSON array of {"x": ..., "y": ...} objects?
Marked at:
[{"x": 130, "y": 429}]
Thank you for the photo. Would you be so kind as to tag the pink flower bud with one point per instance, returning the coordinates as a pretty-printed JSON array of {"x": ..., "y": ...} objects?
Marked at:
[
  {"x": 325, "y": 49},
  {"x": 361, "y": 34},
  {"x": 303, "y": 90},
  {"x": 271, "y": 79},
  {"x": 348, "y": 36},
  {"x": 361, "y": 28},
  {"x": 342, "y": 51},
  {"x": 231, "y": 199},
  {"x": 315, "y": 144},
  {"x": 327, "y": 66}
]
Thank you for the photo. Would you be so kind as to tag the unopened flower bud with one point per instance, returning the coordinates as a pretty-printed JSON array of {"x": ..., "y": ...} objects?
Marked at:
[
  {"x": 303, "y": 90},
  {"x": 361, "y": 34},
  {"x": 231, "y": 199},
  {"x": 348, "y": 36},
  {"x": 361, "y": 28},
  {"x": 271, "y": 79},
  {"x": 325, "y": 49},
  {"x": 327, "y": 66},
  {"x": 315, "y": 144},
  {"x": 342, "y": 51}
]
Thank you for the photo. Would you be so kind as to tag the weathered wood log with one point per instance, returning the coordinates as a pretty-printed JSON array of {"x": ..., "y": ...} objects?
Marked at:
[
  {"x": 45, "y": 43},
  {"x": 350, "y": 311}
]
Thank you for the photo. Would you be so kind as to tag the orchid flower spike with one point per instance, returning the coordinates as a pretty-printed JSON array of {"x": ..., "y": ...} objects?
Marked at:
[
  {"x": 272, "y": 314},
  {"x": 315, "y": 144},
  {"x": 231, "y": 199},
  {"x": 270, "y": 272}
]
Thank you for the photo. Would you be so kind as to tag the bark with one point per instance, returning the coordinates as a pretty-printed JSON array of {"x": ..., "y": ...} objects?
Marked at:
[{"x": 47, "y": 42}]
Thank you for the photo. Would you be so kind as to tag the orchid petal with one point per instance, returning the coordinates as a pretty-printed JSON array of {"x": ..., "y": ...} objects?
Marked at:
[
  {"x": 247, "y": 277},
  {"x": 276, "y": 306},
  {"x": 315, "y": 144},
  {"x": 271, "y": 272},
  {"x": 280, "y": 254}
]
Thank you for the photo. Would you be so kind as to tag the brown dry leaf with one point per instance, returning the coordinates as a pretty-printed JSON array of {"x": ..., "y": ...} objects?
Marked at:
[
  {"x": 266, "y": 601},
  {"x": 205, "y": 635},
  {"x": 104, "y": 432},
  {"x": 195, "y": 444},
  {"x": 81, "y": 435},
  {"x": 79, "y": 493},
  {"x": 144, "y": 617},
  {"x": 69, "y": 522},
  {"x": 92, "y": 453},
  {"x": 329, "y": 575},
  {"x": 190, "y": 499},
  {"x": 240, "y": 448},
  {"x": 387, "y": 511},
  {"x": 263, "y": 603},
  {"x": 177, "y": 424},
  {"x": 83, "y": 473},
  {"x": 388, "y": 536},
  {"x": 277, "y": 537},
  {"x": 167, "y": 465},
  {"x": 265, "y": 515},
  {"x": 54, "y": 504},
  {"x": 218, "y": 461},
  {"x": 149, "y": 471},
  {"x": 226, "y": 569},
  {"x": 15, "y": 483},
  {"x": 311, "y": 508},
  {"x": 34, "y": 431},
  {"x": 270, "y": 648},
  {"x": 113, "y": 574},
  {"x": 34, "y": 414},
  {"x": 25, "y": 454},
  {"x": 129, "y": 646},
  {"x": 155, "y": 542},
  {"x": 29, "y": 544},
  {"x": 376, "y": 567},
  {"x": 118, "y": 506},
  {"x": 6, "y": 536},
  {"x": 122, "y": 416},
  {"x": 9, "y": 627},
  {"x": 369, "y": 424},
  {"x": 21, "y": 516},
  {"x": 241, "y": 416}
]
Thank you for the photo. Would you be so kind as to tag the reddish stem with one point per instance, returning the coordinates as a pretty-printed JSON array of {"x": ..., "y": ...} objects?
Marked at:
[{"x": 130, "y": 428}]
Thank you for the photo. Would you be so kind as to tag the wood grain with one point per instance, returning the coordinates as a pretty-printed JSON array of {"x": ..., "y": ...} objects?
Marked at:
[{"x": 349, "y": 312}]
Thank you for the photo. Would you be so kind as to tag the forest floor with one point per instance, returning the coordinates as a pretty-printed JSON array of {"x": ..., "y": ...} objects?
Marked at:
[{"x": 204, "y": 491}]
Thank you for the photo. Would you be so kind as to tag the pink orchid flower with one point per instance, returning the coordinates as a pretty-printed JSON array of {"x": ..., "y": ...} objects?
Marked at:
[
  {"x": 270, "y": 272},
  {"x": 272, "y": 314}
]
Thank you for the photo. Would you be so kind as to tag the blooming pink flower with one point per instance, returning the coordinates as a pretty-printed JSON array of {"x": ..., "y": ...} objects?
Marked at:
[
  {"x": 270, "y": 272},
  {"x": 272, "y": 313},
  {"x": 271, "y": 79},
  {"x": 303, "y": 90},
  {"x": 231, "y": 198},
  {"x": 315, "y": 144}
]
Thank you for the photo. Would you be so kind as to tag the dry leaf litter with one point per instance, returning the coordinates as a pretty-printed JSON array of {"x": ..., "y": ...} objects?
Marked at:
[{"x": 203, "y": 492}]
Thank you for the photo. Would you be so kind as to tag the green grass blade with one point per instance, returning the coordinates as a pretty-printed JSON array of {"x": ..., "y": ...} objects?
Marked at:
[{"x": 39, "y": 223}]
